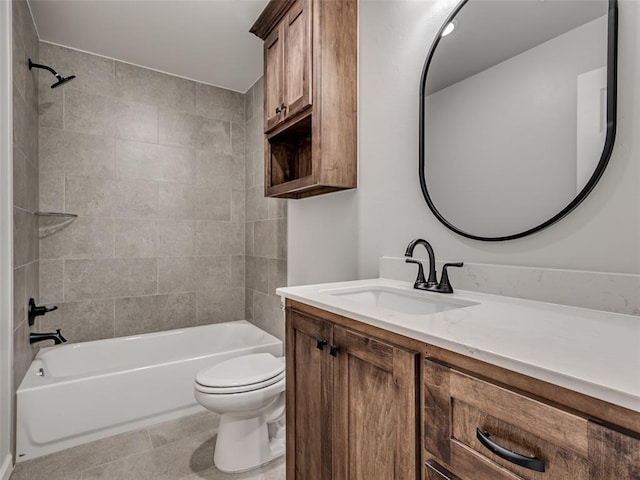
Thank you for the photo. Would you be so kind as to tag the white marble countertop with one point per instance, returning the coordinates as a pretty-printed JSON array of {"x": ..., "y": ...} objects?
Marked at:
[{"x": 589, "y": 351}]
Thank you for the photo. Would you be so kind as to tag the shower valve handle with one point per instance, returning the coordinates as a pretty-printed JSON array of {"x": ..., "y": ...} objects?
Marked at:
[{"x": 35, "y": 311}]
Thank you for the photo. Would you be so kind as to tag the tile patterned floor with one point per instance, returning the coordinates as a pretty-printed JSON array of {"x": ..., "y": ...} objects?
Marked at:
[{"x": 179, "y": 449}]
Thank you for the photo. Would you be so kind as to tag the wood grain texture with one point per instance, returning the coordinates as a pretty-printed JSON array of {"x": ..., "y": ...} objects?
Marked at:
[
  {"x": 377, "y": 415},
  {"x": 612, "y": 454},
  {"x": 270, "y": 17},
  {"x": 317, "y": 77},
  {"x": 297, "y": 58},
  {"x": 309, "y": 403},
  {"x": 552, "y": 394},
  {"x": 273, "y": 77},
  {"x": 548, "y": 423}
]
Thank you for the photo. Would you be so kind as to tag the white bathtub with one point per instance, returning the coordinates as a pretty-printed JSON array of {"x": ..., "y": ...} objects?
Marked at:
[{"x": 96, "y": 389}]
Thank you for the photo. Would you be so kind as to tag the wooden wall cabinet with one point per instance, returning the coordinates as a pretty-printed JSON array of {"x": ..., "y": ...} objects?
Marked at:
[
  {"x": 352, "y": 403},
  {"x": 310, "y": 96}
]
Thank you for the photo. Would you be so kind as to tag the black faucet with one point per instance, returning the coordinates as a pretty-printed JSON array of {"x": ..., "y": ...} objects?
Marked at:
[
  {"x": 41, "y": 337},
  {"x": 431, "y": 284},
  {"x": 37, "y": 311}
]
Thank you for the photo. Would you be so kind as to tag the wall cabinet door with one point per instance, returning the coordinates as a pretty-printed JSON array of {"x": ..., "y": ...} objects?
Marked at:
[
  {"x": 352, "y": 405},
  {"x": 273, "y": 77},
  {"x": 287, "y": 56}
]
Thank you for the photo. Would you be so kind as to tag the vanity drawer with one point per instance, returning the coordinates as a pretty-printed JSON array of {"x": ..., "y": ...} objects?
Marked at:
[{"x": 484, "y": 431}]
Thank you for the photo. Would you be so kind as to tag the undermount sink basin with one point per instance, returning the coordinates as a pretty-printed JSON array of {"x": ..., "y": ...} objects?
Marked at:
[{"x": 398, "y": 300}]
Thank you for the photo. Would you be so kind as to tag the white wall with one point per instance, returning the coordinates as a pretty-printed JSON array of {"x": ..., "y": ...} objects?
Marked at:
[
  {"x": 6, "y": 238},
  {"x": 602, "y": 234}
]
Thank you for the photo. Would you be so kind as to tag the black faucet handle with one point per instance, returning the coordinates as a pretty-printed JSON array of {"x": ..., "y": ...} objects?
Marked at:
[
  {"x": 62, "y": 339},
  {"x": 35, "y": 311},
  {"x": 420, "y": 280},
  {"x": 445, "y": 285}
]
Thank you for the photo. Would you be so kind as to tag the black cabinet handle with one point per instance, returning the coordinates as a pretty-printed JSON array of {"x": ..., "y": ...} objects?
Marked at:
[
  {"x": 281, "y": 108},
  {"x": 333, "y": 350},
  {"x": 320, "y": 344},
  {"x": 532, "y": 463}
]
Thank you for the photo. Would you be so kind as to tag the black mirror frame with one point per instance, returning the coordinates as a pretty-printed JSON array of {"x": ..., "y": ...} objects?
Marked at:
[{"x": 612, "y": 79}]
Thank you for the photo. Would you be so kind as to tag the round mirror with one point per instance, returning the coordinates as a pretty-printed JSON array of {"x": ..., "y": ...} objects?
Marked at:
[{"x": 517, "y": 113}]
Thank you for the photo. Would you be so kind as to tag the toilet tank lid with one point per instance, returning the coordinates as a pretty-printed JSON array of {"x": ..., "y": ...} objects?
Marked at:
[{"x": 244, "y": 370}]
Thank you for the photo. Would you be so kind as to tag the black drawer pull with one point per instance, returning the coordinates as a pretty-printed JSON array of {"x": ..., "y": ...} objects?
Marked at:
[
  {"x": 333, "y": 350},
  {"x": 532, "y": 463},
  {"x": 320, "y": 344}
]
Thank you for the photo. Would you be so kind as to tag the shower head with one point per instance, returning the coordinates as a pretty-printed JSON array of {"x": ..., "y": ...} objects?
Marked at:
[{"x": 61, "y": 80}]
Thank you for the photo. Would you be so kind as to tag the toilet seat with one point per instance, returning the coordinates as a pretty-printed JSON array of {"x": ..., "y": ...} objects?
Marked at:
[{"x": 241, "y": 374}]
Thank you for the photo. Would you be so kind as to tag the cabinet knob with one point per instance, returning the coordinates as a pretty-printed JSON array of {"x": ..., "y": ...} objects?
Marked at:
[
  {"x": 333, "y": 350},
  {"x": 281, "y": 108},
  {"x": 320, "y": 344}
]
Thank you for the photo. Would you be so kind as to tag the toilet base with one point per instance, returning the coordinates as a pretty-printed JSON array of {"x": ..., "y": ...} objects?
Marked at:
[{"x": 247, "y": 443}]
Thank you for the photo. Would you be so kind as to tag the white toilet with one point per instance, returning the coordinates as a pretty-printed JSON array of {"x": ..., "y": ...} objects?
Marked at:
[{"x": 248, "y": 393}]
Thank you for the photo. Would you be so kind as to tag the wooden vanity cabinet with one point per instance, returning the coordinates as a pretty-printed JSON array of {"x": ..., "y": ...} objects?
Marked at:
[
  {"x": 310, "y": 95},
  {"x": 469, "y": 419},
  {"x": 353, "y": 409}
]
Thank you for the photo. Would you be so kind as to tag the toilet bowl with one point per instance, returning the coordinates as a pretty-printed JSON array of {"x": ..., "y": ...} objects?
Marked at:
[{"x": 248, "y": 393}]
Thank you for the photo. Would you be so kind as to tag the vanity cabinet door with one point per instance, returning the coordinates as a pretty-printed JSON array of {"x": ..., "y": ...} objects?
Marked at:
[
  {"x": 375, "y": 409},
  {"x": 308, "y": 393},
  {"x": 484, "y": 431},
  {"x": 273, "y": 77}
]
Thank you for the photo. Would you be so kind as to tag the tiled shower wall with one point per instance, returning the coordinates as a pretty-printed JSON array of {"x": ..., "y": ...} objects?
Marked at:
[
  {"x": 154, "y": 165},
  {"x": 25, "y": 183},
  {"x": 266, "y": 228}
]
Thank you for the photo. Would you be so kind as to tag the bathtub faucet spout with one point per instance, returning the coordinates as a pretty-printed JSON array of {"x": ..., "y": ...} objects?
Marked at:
[{"x": 41, "y": 337}]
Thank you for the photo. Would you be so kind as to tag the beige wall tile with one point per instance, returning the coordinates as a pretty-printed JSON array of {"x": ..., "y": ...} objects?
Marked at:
[
  {"x": 176, "y": 200},
  {"x": 194, "y": 131},
  {"x": 238, "y": 206},
  {"x": 232, "y": 238},
  {"x": 102, "y": 115},
  {"x": 257, "y": 206},
  {"x": 238, "y": 144},
  {"x": 105, "y": 278},
  {"x": 248, "y": 238},
  {"x": 134, "y": 198},
  {"x": 88, "y": 196},
  {"x": 33, "y": 280},
  {"x": 148, "y": 86},
  {"x": 270, "y": 239},
  {"x": 176, "y": 238},
  {"x": 84, "y": 237},
  {"x": 25, "y": 237},
  {"x": 19, "y": 295},
  {"x": 214, "y": 169},
  {"x": 224, "y": 305},
  {"x": 277, "y": 274},
  {"x": 51, "y": 281},
  {"x": 258, "y": 274},
  {"x": 220, "y": 103},
  {"x": 78, "y": 154},
  {"x": 51, "y": 192},
  {"x": 19, "y": 180},
  {"x": 154, "y": 313},
  {"x": 177, "y": 274},
  {"x": 50, "y": 102},
  {"x": 32, "y": 193},
  {"x": 277, "y": 207},
  {"x": 208, "y": 238},
  {"x": 83, "y": 321},
  {"x": 213, "y": 274},
  {"x": 155, "y": 162},
  {"x": 23, "y": 353},
  {"x": 268, "y": 314},
  {"x": 238, "y": 271},
  {"x": 212, "y": 203},
  {"x": 136, "y": 237}
]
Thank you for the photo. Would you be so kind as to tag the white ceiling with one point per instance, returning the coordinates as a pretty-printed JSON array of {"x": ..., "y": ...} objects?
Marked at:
[
  {"x": 204, "y": 40},
  {"x": 491, "y": 31}
]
